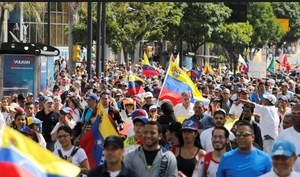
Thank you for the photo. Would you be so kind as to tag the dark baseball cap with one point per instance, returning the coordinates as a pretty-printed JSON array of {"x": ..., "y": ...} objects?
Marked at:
[{"x": 114, "y": 140}]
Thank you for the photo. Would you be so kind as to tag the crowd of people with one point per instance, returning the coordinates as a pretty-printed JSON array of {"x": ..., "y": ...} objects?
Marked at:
[{"x": 189, "y": 139}]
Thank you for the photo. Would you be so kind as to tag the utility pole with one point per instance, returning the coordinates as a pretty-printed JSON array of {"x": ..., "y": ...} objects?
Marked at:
[
  {"x": 103, "y": 36},
  {"x": 49, "y": 23},
  {"x": 98, "y": 39},
  {"x": 89, "y": 41}
]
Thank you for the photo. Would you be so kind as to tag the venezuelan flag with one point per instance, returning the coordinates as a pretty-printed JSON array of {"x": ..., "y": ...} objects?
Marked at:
[
  {"x": 148, "y": 70},
  {"x": 135, "y": 85},
  {"x": 20, "y": 156},
  {"x": 177, "y": 81},
  {"x": 92, "y": 141}
]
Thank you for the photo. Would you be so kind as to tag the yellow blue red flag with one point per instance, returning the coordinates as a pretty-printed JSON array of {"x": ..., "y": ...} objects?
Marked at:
[
  {"x": 177, "y": 81},
  {"x": 148, "y": 70},
  {"x": 92, "y": 141},
  {"x": 20, "y": 156}
]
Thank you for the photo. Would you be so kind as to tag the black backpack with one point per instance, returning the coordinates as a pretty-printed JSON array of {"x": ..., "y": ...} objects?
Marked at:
[{"x": 75, "y": 149}]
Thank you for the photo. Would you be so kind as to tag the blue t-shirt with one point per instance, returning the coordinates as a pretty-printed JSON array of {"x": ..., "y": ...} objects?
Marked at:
[
  {"x": 252, "y": 164},
  {"x": 261, "y": 96}
]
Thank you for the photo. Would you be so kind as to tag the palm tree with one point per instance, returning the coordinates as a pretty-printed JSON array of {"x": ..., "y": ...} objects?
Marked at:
[{"x": 4, "y": 7}]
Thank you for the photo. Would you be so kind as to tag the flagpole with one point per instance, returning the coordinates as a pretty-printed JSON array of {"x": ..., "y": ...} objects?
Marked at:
[{"x": 164, "y": 80}]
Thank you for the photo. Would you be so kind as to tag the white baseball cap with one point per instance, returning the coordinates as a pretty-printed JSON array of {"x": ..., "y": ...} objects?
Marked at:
[{"x": 271, "y": 98}]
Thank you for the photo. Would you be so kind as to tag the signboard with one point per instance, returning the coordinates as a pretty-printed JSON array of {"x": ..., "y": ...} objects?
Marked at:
[
  {"x": 284, "y": 23},
  {"x": 18, "y": 74},
  {"x": 257, "y": 69}
]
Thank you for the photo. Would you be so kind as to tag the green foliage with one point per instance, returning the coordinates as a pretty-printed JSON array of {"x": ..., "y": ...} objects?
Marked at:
[
  {"x": 203, "y": 21},
  {"x": 265, "y": 27},
  {"x": 291, "y": 11},
  {"x": 236, "y": 35}
]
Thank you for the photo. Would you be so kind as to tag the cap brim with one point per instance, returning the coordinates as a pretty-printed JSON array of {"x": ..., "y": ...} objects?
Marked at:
[
  {"x": 112, "y": 143},
  {"x": 284, "y": 153}
]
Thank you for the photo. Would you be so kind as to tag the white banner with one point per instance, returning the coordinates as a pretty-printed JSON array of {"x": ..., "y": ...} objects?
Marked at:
[{"x": 257, "y": 69}]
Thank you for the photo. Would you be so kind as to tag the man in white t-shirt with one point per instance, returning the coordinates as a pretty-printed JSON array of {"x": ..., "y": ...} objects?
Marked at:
[
  {"x": 218, "y": 120},
  {"x": 186, "y": 108},
  {"x": 208, "y": 165},
  {"x": 236, "y": 110},
  {"x": 293, "y": 134}
]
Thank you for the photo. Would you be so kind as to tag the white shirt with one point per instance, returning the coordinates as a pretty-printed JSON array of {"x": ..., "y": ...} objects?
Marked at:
[
  {"x": 236, "y": 110},
  {"x": 78, "y": 157},
  {"x": 273, "y": 174},
  {"x": 2, "y": 121},
  {"x": 211, "y": 171},
  {"x": 76, "y": 116},
  {"x": 205, "y": 139},
  {"x": 292, "y": 135},
  {"x": 179, "y": 110},
  {"x": 269, "y": 120}
]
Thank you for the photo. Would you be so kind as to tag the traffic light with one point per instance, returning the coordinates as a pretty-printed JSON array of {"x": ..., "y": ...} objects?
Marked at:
[
  {"x": 76, "y": 53},
  {"x": 149, "y": 51}
]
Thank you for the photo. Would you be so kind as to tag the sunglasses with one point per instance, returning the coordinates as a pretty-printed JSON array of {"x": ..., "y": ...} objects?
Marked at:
[
  {"x": 244, "y": 134},
  {"x": 280, "y": 157}
]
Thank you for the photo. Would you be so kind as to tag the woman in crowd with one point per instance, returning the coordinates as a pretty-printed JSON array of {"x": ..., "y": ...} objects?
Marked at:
[
  {"x": 172, "y": 135},
  {"x": 69, "y": 152},
  {"x": 36, "y": 126},
  {"x": 20, "y": 118},
  {"x": 129, "y": 107},
  {"x": 167, "y": 116},
  {"x": 74, "y": 103},
  {"x": 5, "y": 111},
  {"x": 66, "y": 119},
  {"x": 189, "y": 151}
]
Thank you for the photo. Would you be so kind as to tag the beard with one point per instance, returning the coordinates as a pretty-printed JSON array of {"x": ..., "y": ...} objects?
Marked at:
[{"x": 219, "y": 148}]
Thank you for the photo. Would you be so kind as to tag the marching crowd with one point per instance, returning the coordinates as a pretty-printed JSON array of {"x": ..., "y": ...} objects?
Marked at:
[{"x": 250, "y": 127}]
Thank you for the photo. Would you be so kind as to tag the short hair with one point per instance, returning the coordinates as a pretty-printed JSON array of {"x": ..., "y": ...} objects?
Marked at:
[
  {"x": 29, "y": 102},
  {"x": 186, "y": 93},
  {"x": 245, "y": 123},
  {"x": 220, "y": 111},
  {"x": 226, "y": 132},
  {"x": 160, "y": 129},
  {"x": 198, "y": 101},
  {"x": 247, "y": 105}
]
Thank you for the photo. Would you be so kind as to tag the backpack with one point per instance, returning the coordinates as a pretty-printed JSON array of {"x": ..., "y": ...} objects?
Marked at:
[
  {"x": 207, "y": 159},
  {"x": 75, "y": 149}
]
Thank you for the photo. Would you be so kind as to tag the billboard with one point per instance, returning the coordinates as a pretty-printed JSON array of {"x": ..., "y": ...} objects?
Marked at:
[{"x": 18, "y": 74}]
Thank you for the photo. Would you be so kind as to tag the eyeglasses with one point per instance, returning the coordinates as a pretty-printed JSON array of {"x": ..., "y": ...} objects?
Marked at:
[
  {"x": 218, "y": 137},
  {"x": 153, "y": 110},
  {"x": 62, "y": 136},
  {"x": 244, "y": 134},
  {"x": 280, "y": 157}
]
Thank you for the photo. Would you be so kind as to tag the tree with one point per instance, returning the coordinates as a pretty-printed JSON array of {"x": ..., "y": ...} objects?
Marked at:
[
  {"x": 234, "y": 38},
  {"x": 129, "y": 23},
  {"x": 291, "y": 11},
  {"x": 203, "y": 22},
  {"x": 265, "y": 27},
  {"x": 4, "y": 6}
]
